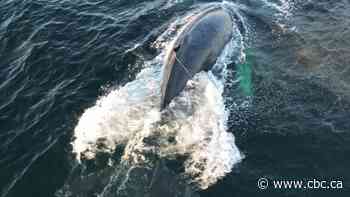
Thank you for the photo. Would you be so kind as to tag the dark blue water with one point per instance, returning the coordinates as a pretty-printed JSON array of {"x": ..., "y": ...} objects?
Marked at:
[{"x": 58, "y": 57}]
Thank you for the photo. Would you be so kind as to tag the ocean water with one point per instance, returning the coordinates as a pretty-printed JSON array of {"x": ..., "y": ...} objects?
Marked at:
[{"x": 79, "y": 100}]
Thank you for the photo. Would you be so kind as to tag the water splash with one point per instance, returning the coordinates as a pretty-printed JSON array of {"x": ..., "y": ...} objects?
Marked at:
[{"x": 194, "y": 125}]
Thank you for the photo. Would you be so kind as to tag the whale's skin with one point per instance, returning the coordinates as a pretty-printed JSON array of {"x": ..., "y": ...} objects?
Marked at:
[{"x": 197, "y": 48}]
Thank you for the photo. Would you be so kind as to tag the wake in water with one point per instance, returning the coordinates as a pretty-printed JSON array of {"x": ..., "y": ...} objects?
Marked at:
[{"x": 193, "y": 127}]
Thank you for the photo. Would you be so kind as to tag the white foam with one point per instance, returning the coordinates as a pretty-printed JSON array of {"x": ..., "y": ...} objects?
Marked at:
[{"x": 119, "y": 115}]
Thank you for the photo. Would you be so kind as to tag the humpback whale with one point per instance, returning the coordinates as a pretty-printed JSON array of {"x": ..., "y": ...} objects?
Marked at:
[{"x": 196, "y": 48}]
